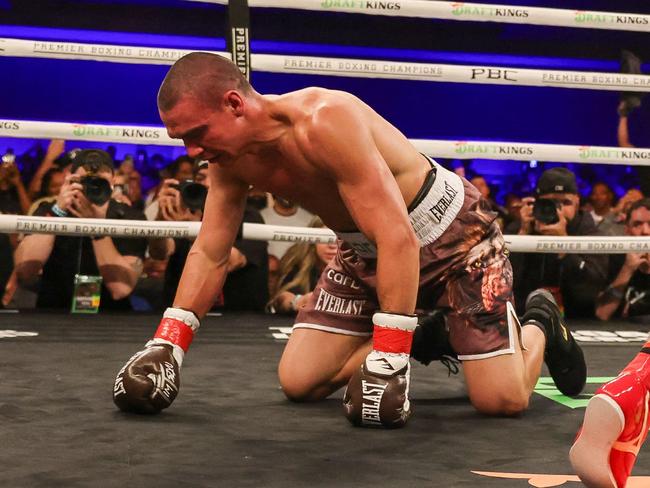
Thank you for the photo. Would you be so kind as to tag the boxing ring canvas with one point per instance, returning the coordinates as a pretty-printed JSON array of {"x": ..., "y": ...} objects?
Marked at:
[{"x": 231, "y": 426}]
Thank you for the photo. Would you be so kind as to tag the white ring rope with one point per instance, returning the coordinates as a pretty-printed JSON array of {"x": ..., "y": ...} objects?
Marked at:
[
  {"x": 436, "y": 148},
  {"x": 477, "y": 12},
  {"x": 358, "y": 68},
  {"x": 261, "y": 232}
]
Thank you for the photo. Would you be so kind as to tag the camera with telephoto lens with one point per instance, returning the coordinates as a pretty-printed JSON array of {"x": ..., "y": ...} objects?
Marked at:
[
  {"x": 97, "y": 190},
  {"x": 192, "y": 194},
  {"x": 545, "y": 211}
]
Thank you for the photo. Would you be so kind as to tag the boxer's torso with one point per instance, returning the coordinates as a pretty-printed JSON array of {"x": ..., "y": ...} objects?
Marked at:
[{"x": 288, "y": 166}]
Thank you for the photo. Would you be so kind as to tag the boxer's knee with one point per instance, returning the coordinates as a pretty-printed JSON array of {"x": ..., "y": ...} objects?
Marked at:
[
  {"x": 510, "y": 402},
  {"x": 299, "y": 387}
]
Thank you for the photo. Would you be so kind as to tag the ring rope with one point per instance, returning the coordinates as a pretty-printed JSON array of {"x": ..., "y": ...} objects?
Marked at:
[
  {"x": 436, "y": 148},
  {"x": 474, "y": 12},
  {"x": 262, "y": 232},
  {"x": 347, "y": 67}
]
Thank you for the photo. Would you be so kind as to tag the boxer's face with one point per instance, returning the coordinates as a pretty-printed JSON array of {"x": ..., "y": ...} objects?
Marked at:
[{"x": 211, "y": 132}]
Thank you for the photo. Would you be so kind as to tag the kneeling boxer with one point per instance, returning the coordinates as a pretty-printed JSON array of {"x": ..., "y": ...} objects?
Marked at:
[{"x": 410, "y": 231}]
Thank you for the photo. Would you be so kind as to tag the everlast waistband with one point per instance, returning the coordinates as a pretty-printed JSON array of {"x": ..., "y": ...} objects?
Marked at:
[{"x": 433, "y": 209}]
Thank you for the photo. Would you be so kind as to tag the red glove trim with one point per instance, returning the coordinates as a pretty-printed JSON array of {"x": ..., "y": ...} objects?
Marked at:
[
  {"x": 397, "y": 341},
  {"x": 176, "y": 332}
]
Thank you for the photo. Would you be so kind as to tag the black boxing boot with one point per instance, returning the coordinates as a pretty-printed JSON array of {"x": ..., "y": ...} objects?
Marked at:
[
  {"x": 431, "y": 342},
  {"x": 150, "y": 380},
  {"x": 377, "y": 393},
  {"x": 563, "y": 355}
]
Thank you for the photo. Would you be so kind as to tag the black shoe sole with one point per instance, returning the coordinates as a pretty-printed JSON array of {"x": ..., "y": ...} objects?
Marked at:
[
  {"x": 566, "y": 365},
  {"x": 569, "y": 372}
]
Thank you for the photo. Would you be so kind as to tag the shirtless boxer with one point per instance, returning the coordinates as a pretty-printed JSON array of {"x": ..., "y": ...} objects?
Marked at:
[{"x": 410, "y": 232}]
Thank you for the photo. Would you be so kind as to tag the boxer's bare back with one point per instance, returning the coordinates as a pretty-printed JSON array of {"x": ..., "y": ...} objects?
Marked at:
[{"x": 304, "y": 146}]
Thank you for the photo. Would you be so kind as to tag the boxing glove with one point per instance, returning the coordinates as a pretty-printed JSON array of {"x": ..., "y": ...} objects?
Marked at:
[
  {"x": 377, "y": 393},
  {"x": 150, "y": 380}
]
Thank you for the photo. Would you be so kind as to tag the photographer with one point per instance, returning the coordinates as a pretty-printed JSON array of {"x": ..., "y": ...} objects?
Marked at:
[
  {"x": 86, "y": 193},
  {"x": 628, "y": 293},
  {"x": 246, "y": 286},
  {"x": 576, "y": 279}
]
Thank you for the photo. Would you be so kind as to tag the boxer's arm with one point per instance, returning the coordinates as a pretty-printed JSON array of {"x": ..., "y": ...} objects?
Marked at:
[
  {"x": 207, "y": 262},
  {"x": 342, "y": 143}
]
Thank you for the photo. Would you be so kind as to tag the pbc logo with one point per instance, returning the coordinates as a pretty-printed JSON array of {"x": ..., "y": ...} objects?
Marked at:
[{"x": 494, "y": 74}]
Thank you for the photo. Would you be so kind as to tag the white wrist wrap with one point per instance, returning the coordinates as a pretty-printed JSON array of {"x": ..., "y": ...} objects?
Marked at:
[
  {"x": 395, "y": 321},
  {"x": 185, "y": 316},
  {"x": 177, "y": 351}
]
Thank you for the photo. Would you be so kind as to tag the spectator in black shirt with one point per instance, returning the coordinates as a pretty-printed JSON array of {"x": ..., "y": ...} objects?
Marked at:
[
  {"x": 628, "y": 293},
  {"x": 246, "y": 285},
  {"x": 574, "y": 279},
  {"x": 118, "y": 261}
]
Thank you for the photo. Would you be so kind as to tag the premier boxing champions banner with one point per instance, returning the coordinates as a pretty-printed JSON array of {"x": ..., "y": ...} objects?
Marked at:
[
  {"x": 239, "y": 39},
  {"x": 325, "y": 66},
  {"x": 261, "y": 232}
]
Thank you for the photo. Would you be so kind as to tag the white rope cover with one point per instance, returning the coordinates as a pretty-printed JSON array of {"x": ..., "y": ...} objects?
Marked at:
[
  {"x": 87, "y": 132},
  {"x": 436, "y": 148},
  {"x": 477, "y": 12},
  {"x": 261, "y": 232},
  {"x": 357, "y": 68}
]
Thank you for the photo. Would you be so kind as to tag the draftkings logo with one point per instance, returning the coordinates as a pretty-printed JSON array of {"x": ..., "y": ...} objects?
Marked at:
[
  {"x": 119, "y": 132},
  {"x": 582, "y": 17},
  {"x": 587, "y": 152},
  {"x": 361, "y": 5},
  {"x": 9, "y": 125},
  {"x": 481, "y": 11},
  {"x": 463, "y": 147}
]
